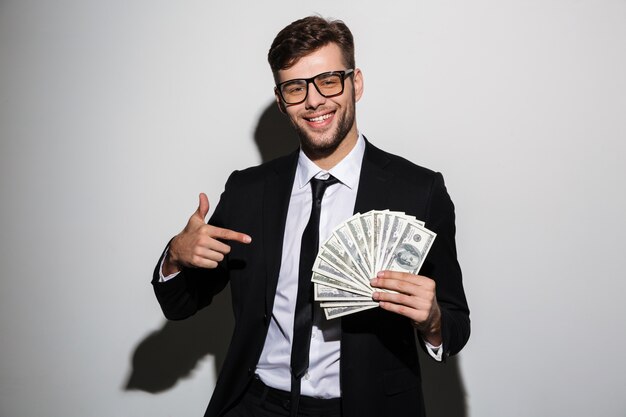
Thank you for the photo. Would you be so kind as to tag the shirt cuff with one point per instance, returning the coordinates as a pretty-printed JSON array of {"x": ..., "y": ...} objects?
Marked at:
[
  {"x": 436, "y": 352},
  {"x": 163, "y": 278}
]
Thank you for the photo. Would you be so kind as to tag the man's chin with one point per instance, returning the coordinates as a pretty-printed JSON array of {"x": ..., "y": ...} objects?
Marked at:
[{"x": 319, "y": 148}]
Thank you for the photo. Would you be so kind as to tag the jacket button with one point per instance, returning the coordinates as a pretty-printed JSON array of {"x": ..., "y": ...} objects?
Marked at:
[{"x": 250, "y": 371}]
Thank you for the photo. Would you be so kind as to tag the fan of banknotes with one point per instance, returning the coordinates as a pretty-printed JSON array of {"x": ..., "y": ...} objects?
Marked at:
[{"x": 360, "y": 247}]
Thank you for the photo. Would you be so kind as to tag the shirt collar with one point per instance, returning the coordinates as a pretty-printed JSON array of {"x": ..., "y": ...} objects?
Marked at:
[{"x": 347, "y": 171}]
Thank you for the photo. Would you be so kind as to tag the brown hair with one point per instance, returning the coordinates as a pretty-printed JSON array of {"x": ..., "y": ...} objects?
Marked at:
[{"x": 306, "y": 35}]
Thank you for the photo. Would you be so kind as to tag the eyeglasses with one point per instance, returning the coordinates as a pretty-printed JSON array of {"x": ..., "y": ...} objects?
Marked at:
[{"x": 328, "y": 84}]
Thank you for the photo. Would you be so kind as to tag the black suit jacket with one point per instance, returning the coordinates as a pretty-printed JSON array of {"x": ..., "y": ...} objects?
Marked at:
[{"x": 379, "y": 370}]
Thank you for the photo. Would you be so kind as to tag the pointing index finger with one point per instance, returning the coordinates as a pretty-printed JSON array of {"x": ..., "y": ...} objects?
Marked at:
[{"x": 227, "y": 234}]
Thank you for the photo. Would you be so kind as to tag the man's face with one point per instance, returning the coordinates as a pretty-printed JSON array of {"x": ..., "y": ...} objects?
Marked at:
[{"x": 323, "y": 123}]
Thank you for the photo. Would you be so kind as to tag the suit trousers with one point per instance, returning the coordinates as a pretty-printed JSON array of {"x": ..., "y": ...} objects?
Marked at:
[{"x": 260, "y": 400}]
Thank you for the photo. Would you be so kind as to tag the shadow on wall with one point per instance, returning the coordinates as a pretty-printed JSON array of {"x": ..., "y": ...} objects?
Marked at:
[
  {"x": 274, "y": 135},
  {"x": 171, "y": 353},
  {"x": 185, "y": 343}
]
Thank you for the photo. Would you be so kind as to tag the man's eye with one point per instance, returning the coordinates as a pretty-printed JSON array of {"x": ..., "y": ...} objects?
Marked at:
[{"x": 293, "y": 88}]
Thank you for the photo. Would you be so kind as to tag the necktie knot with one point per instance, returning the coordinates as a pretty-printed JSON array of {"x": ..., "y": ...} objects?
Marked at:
[{"x": 319, "y": 186}]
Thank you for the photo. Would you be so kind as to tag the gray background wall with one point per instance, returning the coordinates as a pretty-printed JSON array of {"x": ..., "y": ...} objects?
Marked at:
[{"x": 115, "y": 115}]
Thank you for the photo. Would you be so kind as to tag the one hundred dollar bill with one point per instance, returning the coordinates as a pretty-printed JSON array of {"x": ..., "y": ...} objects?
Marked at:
[
  {"x": 367, "y": 226},
  {"x": 335, "y": 312},
  {"x": 411, "y": 249},
  {"x": 379, "y": 232},
  {"x": 340, "y": 284},
  {"x": 394, "y": 232},
  {"x": 331, "y": 304},
  {"x": 351, "y": 245},
  {"x": 360, "y": 238},
  {"x": 325, "y": 293}
]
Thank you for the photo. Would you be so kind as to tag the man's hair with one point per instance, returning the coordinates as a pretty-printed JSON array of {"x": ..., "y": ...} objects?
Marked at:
[{"x": 304, "y": 36}]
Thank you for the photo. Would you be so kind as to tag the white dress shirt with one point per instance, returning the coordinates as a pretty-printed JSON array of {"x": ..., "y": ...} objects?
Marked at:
[{"x": 322, "y": 378}]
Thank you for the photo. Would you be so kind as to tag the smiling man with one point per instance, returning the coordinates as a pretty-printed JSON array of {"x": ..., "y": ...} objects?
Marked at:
[
  {"x": 324, "y": 119},
  {"x": 285, "y": 358}
]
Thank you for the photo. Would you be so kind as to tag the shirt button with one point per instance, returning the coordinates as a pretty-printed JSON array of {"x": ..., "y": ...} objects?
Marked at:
[
  {"x": 313, "y": 336},
  {"x": 306, "y": 376}
]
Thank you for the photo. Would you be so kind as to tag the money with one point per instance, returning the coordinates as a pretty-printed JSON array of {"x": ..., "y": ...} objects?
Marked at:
[
  {"x": 328, "y": 289},
  {"x": 334, "y": 312},
  {"x": 410, "y": 249},
  {"x": 336, "y": 273},
  {"x": 360, "y": 247}
]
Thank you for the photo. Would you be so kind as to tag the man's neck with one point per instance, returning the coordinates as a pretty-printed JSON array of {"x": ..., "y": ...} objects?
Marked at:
[{"x": 327, "y": 161}]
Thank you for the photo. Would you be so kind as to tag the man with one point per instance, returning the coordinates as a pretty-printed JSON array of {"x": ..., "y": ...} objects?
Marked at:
[{"x": 364, "y": 364}]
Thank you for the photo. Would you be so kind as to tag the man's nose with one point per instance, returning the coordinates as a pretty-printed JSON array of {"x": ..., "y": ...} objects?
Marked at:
[{"x": 313, "y": 98}]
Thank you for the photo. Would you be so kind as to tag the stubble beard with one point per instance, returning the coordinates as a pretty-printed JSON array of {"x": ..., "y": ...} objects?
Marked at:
[{"x": 317, "y": 146}]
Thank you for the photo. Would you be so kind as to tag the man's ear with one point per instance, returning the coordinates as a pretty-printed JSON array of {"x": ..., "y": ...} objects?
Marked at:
[
  {"x": 358, "y": 84},
  {"x": 279, "y": 102}
]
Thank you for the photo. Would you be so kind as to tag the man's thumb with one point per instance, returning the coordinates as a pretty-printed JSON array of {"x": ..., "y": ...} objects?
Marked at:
[{"x": 203, "y": 206}]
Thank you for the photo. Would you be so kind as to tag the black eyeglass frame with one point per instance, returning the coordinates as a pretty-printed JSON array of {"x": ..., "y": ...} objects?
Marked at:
[{"x": 343, "y": 75}]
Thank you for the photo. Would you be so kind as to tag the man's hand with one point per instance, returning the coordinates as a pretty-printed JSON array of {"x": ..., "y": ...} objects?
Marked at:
[
  {"x": 416, "y": 299},
  {"x": 198, "y": 245}
]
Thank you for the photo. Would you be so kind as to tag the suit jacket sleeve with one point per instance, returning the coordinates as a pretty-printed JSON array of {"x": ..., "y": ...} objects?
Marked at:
[{"x": 441, "y": 265}]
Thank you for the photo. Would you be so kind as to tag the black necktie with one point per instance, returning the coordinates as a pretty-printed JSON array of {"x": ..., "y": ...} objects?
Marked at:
[{"x": 303, "y": 318}]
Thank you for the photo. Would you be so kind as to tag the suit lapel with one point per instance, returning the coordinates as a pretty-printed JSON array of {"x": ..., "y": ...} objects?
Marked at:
[
  {"x": 373, "y": 193},
  {"x": 275, "y": 205}
]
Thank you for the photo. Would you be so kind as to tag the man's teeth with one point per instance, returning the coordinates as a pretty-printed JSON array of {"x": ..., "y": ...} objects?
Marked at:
[{"x": 320, "y": 118}]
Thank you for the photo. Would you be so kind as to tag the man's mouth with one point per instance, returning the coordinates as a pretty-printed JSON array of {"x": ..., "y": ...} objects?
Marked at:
[{"x": 319, "y": 119}]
